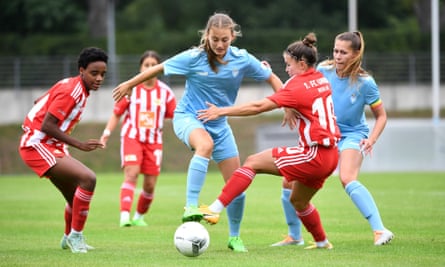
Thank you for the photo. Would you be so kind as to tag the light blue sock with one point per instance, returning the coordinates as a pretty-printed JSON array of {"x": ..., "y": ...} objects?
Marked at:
[
  {"x": 365, "y": 203},
  {"x": 235, "y": 211},
  {"x": 195, "y": 179},
  {"x": 292, "y": 220}
]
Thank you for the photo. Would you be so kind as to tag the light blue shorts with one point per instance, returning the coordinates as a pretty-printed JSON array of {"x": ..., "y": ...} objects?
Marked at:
[
  {"x": 224, "y": 142},
  {"x": 351, "y": 141}
]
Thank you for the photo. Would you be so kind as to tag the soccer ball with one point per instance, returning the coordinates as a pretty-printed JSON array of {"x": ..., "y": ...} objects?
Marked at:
[{"x": 191, "y": 239}]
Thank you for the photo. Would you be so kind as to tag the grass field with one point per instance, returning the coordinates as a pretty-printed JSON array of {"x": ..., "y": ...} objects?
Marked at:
[{"x": 411, "y": 204}]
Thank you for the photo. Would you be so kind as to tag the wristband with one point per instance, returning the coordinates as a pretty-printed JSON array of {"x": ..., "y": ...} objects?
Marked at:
[{"x": 106, "y": 132}]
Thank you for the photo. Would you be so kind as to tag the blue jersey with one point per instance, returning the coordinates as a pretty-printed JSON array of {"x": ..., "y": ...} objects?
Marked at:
[
  {"x": 204, "y": 85},
  {"x": 350, "y": 100}
]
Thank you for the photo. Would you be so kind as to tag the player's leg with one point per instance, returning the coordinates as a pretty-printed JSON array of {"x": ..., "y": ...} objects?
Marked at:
[
  {"x": 131, "y": 160},
  {"x": 151, "y": 168},
  {"x": 293, "y": 236},
  {"x": 145, "y": 199},
  {"x": 76, "y": 182},
  {"x": 349, "y": 167},
  {"x": 308, "y": 214},
  {"x": 193, "y": 134}
]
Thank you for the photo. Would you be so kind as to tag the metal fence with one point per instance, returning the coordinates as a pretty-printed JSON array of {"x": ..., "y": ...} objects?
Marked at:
[{"x": 30, "y": 72}]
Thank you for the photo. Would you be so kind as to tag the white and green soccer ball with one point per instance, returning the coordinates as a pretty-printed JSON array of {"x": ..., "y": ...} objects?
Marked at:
[{"x": 191, "y": 239}]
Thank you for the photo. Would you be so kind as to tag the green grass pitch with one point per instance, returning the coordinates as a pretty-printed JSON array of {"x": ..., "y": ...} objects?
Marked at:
[{"x": 412, "y": 205}]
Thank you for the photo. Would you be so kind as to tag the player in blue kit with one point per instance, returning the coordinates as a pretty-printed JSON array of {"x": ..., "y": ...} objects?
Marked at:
[
  {"x": 214, "y": 71},
  {"x": 352, "y": 89}
]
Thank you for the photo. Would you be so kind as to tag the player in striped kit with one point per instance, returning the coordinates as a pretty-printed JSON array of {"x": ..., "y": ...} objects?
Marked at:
[
  {"x": 141, "y": 139},
  {"x": 43, "y": 145}
]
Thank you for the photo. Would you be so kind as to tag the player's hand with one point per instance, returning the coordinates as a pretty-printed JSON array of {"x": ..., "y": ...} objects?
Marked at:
[
  {"x": 104, "y": 139},
  {"x": 212, "y": 113},
  {"x": 290, "y": 118},
  {"x": 120, "y": 91},
  {"x": 366, "y": 146},
  {"x": 91, "y": 144}
]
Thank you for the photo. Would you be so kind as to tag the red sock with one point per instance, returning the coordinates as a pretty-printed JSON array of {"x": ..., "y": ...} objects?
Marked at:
[
  {"x": 144, "y": 202},
  {"x": 238, "y": 183},
  {"x": 311, "y": 220},
  {"x": 68, "y": 218},
  {"x": 127, "y": 193},
  {"x": 81, "y": 206}
]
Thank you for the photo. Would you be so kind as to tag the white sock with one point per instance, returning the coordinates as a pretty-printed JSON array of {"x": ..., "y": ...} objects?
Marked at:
[
  {"x": 137, "y": 216},
  {"x": 322, "y": 243},
  {"x": 125, "y": 216},
  {"x": 216, "y": 206}
]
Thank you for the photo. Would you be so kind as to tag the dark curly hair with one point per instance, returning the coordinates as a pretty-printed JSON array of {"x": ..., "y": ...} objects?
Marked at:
[{"x": 89, "y": 55}]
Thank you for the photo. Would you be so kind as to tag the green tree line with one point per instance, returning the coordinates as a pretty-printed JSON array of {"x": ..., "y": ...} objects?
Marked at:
[{"x": 57, "y": 27}]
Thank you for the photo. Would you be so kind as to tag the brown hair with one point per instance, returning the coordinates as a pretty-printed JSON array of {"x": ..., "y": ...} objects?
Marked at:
[
  {"x": 354, "y": 68},
  {"x": 304, "y": 49},
  {"x": 217, "y": 20},
  {"x": 149, "y": 53}
]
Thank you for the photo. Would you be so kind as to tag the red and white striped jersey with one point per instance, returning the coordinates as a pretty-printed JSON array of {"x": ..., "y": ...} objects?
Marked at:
[
  {"x": 145, "y": 111},
  {"x": 66, "y": 101}
]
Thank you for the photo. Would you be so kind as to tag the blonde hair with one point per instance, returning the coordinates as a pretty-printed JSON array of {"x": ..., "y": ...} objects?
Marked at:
[{"x": 221, "y": 21}]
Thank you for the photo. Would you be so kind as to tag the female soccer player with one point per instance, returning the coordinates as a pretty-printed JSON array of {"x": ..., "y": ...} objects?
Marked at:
[
  {"x": 141, "y": 139},
  {"x": 214, "y": 72},
  {"x": 307, "y": 164},
  {"x": 352, "y": 89},
  {"x": 43, "y": 145}
]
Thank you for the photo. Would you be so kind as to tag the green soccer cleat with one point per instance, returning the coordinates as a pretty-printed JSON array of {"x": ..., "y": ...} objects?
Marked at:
[
  {"x": 139, "y": 222},
  {"x": 125, "y": 223},
  {"x": 192, "y": 214},
  {"x": 236, "y": 244}
]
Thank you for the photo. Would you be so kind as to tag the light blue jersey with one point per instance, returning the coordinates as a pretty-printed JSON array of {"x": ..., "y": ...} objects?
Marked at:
[
  {"x": 203, "y": 84},
  {"x": 350, "y": 101}
]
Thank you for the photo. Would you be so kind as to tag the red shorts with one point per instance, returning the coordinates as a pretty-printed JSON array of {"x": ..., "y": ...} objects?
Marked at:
[
  {"x": 147, "y": 156},
  {"x": 310, "y": 166},
  {"x": 41, "y": 157}
]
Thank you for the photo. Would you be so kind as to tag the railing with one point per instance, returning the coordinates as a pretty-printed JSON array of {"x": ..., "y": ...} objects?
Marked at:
[{"x": 30, "y": 72}]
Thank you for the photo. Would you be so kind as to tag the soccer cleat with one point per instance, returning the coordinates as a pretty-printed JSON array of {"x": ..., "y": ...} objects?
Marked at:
[
  {"x": 382, "y": 237},
  {"x": 76, "y": 243},
  {"x": 192, "y": 214},
  {"x": 125, "y": 223},
  {"x": 64, "y": 244},
  {"x": 139, "y": 222},
  {"x": 288, "y": 241},
  {"x": 236, "y": 244},
  {"x": 327, "y": 245},
  {"x": 208, "y": 215}
]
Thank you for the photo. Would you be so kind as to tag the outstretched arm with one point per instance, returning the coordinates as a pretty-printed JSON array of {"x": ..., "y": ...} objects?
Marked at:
[
  {"x": 125, "y": 88},
  {"x": 247, "y": 109}
]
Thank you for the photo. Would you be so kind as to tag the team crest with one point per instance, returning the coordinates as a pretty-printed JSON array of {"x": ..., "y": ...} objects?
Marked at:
[{"x": 235, "y": 72}]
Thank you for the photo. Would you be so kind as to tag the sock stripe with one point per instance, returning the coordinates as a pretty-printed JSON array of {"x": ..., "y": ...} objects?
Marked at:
[
  {"x": 307, "y": 211},
  {"x": 246, "y": 172}
]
